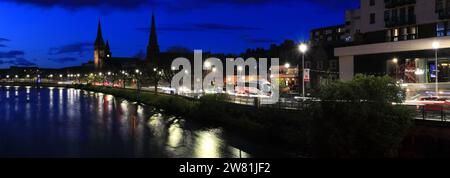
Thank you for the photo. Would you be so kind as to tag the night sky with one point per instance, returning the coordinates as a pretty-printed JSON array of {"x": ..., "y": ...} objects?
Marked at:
[{"x": 60, "y": 33}]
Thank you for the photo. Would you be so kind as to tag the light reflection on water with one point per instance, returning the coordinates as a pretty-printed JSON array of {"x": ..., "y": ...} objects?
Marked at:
[{"x": 59, "y": 122}]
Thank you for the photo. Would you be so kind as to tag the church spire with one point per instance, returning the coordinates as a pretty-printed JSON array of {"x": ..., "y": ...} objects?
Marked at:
[
  {"x": 153, "y": 47},
  {"x": 99, "y": 49},
  {"x": 99, "y": 42},
  {"x": 108, "y": 50}
]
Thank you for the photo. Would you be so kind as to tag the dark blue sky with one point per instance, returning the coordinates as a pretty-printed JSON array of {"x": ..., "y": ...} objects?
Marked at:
[{"x": 59, "y": 33}]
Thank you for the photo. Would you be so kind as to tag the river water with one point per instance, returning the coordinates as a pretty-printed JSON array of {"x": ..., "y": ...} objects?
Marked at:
[{"x": 62, "y": 122}]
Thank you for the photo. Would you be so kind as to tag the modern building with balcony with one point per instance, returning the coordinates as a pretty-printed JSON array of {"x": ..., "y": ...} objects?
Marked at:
[{"x": 399, "y": 38}]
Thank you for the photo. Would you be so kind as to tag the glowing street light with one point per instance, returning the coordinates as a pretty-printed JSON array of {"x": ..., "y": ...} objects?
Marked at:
[
  {"x": 303, "y": 48},
  {"x": 436, "y": 45},
  {"x": 137, "y": 71},
  {"x": 395, "y": 60},
  {"x": 287, "y": 65}
]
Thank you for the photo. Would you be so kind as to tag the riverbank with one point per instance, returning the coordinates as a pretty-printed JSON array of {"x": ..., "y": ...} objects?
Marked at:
[
  {"x": 265, "y": 126},
  {"x": 34, "y": 84}
]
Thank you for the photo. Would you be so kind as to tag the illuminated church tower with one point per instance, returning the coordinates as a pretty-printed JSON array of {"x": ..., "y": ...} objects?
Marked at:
[
  {"x": 101, "y": 50},
  {"x": 153, "y": 47}
]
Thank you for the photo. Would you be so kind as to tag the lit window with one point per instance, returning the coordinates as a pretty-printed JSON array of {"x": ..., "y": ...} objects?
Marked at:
[
  {"x": 440, "y": 29},
  {"x": 395, "y": 35}
]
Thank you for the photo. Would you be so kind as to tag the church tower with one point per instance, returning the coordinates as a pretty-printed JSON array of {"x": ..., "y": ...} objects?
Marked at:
[
  {"x": 99, "y": 49},
  {"x": 108, "y": 51},
  {"x": 153, "y": 47}
]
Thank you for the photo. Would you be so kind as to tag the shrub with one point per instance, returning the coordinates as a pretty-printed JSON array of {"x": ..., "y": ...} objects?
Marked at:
[{"x": 357, "y": 119}]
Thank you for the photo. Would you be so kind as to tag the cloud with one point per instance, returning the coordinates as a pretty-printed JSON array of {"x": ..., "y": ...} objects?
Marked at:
[
  {"x": 77, "y": 4},
  {"x": 4, "y": 39},
  {"x": 197, "y": 27},
  {"x": 21, "y": 62},
  {"x": 253, "y": 40},
  {"x": 63, "y": 59},
  {"x": 182, "y": 5},
  {"x": 75, "y": 48},
  {"x": 11, "y": 54},
  {"x": 14, "y": 57},
  {"x": 175, "y": 5}
]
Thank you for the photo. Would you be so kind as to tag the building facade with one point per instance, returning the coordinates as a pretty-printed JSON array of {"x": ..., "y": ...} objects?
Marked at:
[{"x": 398, "y": 38}]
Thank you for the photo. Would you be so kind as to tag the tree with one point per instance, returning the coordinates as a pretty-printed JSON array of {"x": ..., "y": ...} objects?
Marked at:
[
  {"x": 358, "y": 118},
  {"x": 154, "y": 75}
]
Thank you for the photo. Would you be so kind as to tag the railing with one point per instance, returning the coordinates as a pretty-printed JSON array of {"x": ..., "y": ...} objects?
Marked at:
[
  {"x": 431, "y": 112},
  {"x": 395, "y": 23},
  {"x": 395, "y": 3}
]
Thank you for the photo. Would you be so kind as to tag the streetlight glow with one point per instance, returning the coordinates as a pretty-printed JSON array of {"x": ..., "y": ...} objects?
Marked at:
[
  {"x": 395, "y": 60},
  {"x": 303, "y": 48},
  {"x": 287, "y": 65},
  {"x": 436, "y": 45}
]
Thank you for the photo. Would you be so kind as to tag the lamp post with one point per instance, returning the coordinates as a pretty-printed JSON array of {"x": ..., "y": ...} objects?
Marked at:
[
  {"x": 436, "y": 46},
  {"x": 303, "y": 48},
  {"x": 395, "y": 61}
]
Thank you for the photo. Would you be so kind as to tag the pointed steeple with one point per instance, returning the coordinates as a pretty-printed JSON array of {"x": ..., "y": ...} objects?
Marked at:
[
  {"x": 107, "y": 46},
  {"x": 108, "y": 50},
  {"x": 99, "y": 42},
  {"x": 153, "y": 47}
]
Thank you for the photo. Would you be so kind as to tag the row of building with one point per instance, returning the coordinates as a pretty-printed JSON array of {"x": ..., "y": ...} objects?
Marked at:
[{"x": 381, "y": 37}]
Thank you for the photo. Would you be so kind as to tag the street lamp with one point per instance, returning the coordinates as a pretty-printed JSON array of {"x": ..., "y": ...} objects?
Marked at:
[
  {"x": 303, "y": 48},
  {"x": 436, "y": 46},
  {"x": 395, "y": 61},
  {"x": 287, "y": 65}
]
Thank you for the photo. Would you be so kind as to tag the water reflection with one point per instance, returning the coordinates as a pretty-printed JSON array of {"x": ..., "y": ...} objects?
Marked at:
[{"x": 59, "y": 122}]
